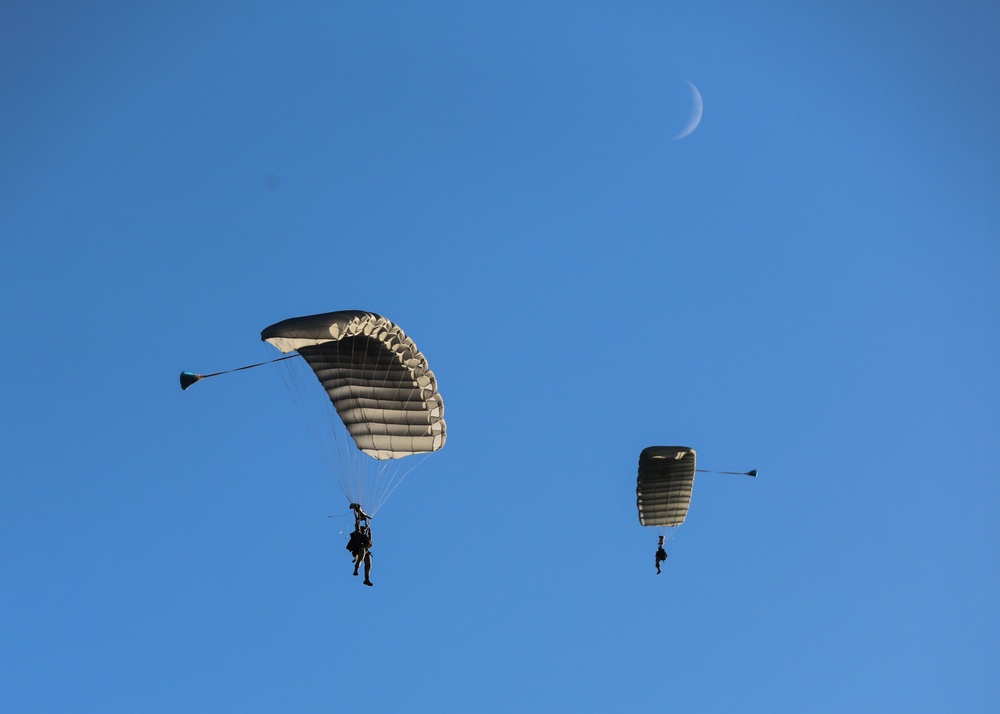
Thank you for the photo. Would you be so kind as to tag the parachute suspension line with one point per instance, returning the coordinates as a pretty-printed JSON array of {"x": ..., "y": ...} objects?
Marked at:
[
  {"x": 666, "y": 533},
  {"x": 360, "y": 467},
  {"x": 383, "y": 477},
  {"x": 319, "y": 417},
  {"x": 397, "y": 479},
  {"x": 311, "y": 414},
  {"x": 346, "y": 472},
  {"x": 347, "y": 475},
  {"x": 363, "y": 474},
  {"x": 377, "y": 474},
  {"x": 404, "y": 466},
  {"x": 189, "y": 378},
  {"x": 388, "y": 477},
  {"x": 386, "y": 470}
]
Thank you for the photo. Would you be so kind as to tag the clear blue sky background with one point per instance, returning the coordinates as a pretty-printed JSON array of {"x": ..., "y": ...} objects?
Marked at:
[{"x": 807, "y": 285}]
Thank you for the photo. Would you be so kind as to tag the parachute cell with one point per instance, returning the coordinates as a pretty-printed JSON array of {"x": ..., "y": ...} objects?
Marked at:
[{"x": 664, "y": 486}]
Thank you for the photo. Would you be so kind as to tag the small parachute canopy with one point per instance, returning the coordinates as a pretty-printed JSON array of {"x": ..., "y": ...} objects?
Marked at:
[
  {"x": 663, "y": 489},
  {"x": 378, "y": 381}
]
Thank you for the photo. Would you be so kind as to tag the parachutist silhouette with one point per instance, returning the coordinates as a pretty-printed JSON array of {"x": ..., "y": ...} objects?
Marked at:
[
  {"x": 661, "y": 555},
  {"x": 359, "y": 545}
]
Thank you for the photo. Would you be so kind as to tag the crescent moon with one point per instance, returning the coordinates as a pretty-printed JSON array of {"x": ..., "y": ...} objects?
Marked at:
[{"x": 696, "y": 110}]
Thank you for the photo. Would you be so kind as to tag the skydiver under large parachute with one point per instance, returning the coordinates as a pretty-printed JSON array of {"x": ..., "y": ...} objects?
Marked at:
[
  {"x": 359, "y": 545},
  {"x": 381, "y": 390},
  {"x": 664, "y": 486}
]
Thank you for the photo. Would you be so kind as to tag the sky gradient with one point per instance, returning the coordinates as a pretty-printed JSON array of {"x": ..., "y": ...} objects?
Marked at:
[{"x": 807, "y": 284}]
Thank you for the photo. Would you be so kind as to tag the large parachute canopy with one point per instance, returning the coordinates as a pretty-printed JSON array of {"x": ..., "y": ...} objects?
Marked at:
[
  {"x": 664, "y": 486},
  {"x": 380, "y": 385}
]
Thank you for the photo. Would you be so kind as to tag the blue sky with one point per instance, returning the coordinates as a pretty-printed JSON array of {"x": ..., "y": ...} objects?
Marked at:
[{"x": 807, "y": 285}]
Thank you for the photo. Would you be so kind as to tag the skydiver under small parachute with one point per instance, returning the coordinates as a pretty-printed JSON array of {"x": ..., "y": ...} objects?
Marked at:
[
  {"x": 382, "y": 392},
  {"x": 664, "y": 486},
  {"x": 661, "y": 555}
]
